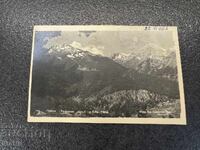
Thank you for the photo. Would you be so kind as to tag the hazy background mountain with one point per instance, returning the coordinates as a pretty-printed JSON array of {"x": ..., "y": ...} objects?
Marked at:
[{"x": 150, "y": 59}]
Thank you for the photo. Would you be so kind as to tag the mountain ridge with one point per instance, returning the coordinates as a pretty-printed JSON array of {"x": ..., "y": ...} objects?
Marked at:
[{"x": 74, "y": 77}]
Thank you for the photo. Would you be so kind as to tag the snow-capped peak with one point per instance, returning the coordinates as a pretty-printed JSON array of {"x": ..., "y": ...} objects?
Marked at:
[
  {"x": 74, "y": 50},
  {"x": 153, "y": 50},
  {"x": 68, "y": 51},
  {"x": 120, "y": 57}
]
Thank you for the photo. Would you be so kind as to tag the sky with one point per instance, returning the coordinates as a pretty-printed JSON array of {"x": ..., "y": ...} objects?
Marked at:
[
  {"x": 41, "y": 38},
  {"x": 107, "y": 42}
]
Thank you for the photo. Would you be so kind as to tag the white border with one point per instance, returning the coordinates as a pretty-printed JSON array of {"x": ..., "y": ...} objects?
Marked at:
[{"x": 108, "y": 120}]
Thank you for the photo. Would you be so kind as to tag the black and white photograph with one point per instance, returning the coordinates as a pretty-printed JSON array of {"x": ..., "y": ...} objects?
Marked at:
[{"x": 106, "y": 74}]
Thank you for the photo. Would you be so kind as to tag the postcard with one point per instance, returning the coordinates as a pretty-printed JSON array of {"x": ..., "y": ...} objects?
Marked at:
[{"x": 106, "y": 74}]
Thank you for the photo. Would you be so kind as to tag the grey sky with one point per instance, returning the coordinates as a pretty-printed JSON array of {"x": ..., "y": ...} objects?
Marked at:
[{"x": 109, "y": 42}]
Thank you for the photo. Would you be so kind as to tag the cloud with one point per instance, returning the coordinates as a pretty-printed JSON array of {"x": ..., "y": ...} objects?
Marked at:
[
  {"x": 109, "y": 42},
  {"x": 91, "y": 48}
]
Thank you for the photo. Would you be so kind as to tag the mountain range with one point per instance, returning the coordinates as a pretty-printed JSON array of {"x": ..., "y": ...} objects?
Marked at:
[
  {"x": 151, "y": 60},
  {"x": 66, "y": 72}
]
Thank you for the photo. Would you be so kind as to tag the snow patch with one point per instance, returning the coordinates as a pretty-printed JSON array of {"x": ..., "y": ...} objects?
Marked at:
[{"x": 86, "y": 69}]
